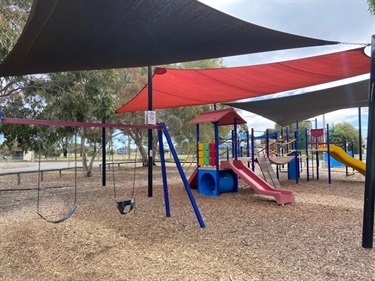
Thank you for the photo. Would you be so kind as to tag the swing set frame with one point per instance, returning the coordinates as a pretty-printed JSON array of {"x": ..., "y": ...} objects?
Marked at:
[{"x": 161, "y": 129}]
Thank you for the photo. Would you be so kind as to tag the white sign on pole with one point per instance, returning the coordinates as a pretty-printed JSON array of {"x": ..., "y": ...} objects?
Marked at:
[{"x": 151, "y": 117}]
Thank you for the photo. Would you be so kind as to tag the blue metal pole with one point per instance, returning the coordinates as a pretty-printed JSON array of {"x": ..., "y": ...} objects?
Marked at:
[
  {"x": 217, "y": 188},
  {"x": 352, "y": 144},
  {"x": 329, "y": 157},
  {"x": 198, "y": 139},
  {"x": 217, "y": 156},
  {"x": 278, "y": 152},
  {"x": 317, "y": 153},
  {"x": 248, "y": 146},
  {"x": 183, "y": 176},
  {"x": 346, "y": 151},
  {"x": 353, "y": 154},
  {"x": 267, "y": 144},
  {"x": 307, "y": 155},
  {"x": 297, "y": 147},
  {"x": 164, "y": 174},
  {"x": 296, "y": 156},
  {"x": 235, "y": 139},
  {"x": 297, "y": 135},
  {"x": 233, "y": 144},
  {"x": 359, "y": 134},
  {"x": 252, "y": 150}
]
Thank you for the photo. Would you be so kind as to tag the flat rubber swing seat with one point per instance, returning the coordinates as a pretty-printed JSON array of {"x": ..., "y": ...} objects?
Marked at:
[{"x": 67, "y": 216}]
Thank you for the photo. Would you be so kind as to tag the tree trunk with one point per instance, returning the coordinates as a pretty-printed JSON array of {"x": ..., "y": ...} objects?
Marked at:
[
  {"x": 86, "y": 168},
  {"x": 137, "y": 137},
  {"x": 155, "y": 148},
  {"x": 143, "y": 153}
]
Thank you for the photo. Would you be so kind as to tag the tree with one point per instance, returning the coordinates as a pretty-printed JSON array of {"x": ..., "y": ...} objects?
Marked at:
[
  {"x": 344, "y": 132},
  {"x": 81, "y": 97},
  {"x": 13, "y": 16},
  {"x": 302, "y": 125},
  {"x": 371, "y": 6},
  {"x": 72, "y": 96},
  {"x": 17, "y": 97},
  {"x": 41, "y": 139},
  {"x": 129, "y": 82}
]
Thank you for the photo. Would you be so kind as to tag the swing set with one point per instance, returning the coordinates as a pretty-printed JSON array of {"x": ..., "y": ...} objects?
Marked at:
[{"x": 121, "y": 205}]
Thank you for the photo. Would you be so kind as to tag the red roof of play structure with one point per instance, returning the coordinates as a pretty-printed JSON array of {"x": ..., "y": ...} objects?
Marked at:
[
  {"x": 224, "y": 117},
  {"x": 182, "y": 87}
]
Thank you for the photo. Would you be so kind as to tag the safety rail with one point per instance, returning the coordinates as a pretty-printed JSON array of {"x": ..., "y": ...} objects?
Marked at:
[
  {"x": 109, "y": 164},
  {"x": 279, "y": 149}
]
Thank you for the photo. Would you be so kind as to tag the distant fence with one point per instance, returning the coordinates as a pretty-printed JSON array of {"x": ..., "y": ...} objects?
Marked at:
[{"x": 18, "y": 174}]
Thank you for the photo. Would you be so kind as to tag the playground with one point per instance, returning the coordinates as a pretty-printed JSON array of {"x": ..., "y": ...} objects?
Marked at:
[
  {"x": 247, "y": 236},
  {"x": 224, "y": 220}
]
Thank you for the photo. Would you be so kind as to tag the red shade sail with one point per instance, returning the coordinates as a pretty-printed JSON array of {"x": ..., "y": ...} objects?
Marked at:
[{"x": 181, "y": 87}]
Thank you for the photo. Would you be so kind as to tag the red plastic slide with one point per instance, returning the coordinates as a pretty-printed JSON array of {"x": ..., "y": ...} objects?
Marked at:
[
  {"x": 259, "y": 185},
  {"x": 193, "y": 179}
]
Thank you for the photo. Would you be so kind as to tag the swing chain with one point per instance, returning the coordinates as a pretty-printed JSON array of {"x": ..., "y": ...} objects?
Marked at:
[
  {"x": 72, "y": 210},
  {"x": 121, "y": 205}
]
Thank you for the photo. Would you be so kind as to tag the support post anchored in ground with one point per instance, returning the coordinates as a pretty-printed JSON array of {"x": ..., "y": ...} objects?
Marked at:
[
  {"x": 183, "y": 176},
  {"x": 368, "y": 212}
]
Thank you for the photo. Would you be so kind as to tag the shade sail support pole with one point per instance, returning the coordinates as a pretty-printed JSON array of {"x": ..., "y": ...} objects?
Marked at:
[
  {"x": 150, "y": 150},
  {"x": 359, "y": 134},
  {"x": 368, "y": 212},
  {"x": 104, "y": 152}
]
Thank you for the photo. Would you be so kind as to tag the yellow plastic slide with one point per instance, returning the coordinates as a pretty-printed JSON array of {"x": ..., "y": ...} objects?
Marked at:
[{"x": 340, "y": 155}]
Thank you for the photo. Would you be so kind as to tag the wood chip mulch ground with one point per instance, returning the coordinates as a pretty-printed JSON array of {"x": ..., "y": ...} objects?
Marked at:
[{"x": 247, "y": 236}]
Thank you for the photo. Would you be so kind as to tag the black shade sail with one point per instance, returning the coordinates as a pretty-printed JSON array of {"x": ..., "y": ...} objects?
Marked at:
[
  {"x": 73, "y": 35},
  {"x": 286, "y": 110}
]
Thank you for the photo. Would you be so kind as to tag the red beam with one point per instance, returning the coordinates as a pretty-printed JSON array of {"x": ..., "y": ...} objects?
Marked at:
[{"x": 76, "y": 124}]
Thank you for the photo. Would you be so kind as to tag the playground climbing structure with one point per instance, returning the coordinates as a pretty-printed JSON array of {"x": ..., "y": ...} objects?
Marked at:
[
  {"x": 319, "y": 141},
  {"x": 212, "y": 178}
]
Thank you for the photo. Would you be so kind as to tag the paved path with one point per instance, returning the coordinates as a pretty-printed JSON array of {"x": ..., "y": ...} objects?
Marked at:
[{"x": 33, "y": 166}]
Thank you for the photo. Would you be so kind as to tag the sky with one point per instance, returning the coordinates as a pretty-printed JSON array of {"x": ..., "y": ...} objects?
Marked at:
[{"x": 347, "y": 21}]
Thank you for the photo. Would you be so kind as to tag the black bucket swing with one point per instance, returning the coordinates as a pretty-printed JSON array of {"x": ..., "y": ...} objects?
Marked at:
[{"x": 124, "y": 206}]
